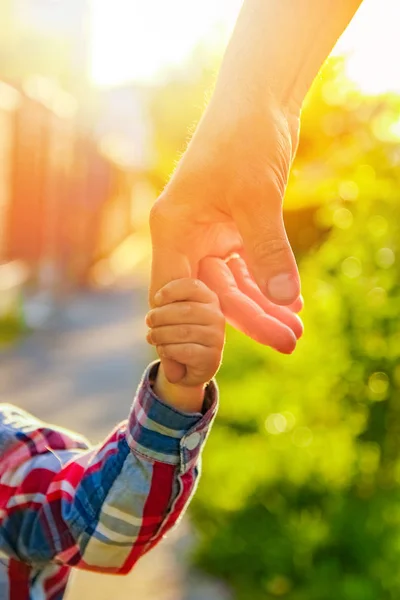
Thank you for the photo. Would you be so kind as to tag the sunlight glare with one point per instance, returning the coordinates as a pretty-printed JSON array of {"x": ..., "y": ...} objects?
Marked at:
[
  {"x": 135, "y": 41},
  {"x": 372, "y": 46}
]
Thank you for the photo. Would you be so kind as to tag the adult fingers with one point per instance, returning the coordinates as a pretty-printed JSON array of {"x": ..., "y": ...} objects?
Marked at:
[
  {"x": 243, "y": 312},
  {"x": 298, "y": 305},
  {"x": 247, "y": 285},
  {"x": 268, "y": 253}
]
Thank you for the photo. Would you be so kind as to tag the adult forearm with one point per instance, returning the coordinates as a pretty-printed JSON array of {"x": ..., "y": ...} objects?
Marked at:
[{"x": 278, "y": 46}]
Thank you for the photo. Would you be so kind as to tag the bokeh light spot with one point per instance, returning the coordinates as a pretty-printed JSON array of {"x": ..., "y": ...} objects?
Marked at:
[
  {"x": 290, "y": 420},
  {"x": 378, "y": 385},
  {"x": 385, "y": 258},
  {"x": 351, "y": 267},
  {"x": 383, "y": 127},
  {"x": 276, "y": 424},
  {"x": 343, "y": 218}
]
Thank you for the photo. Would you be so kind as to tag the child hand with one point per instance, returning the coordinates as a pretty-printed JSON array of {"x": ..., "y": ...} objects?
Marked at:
[{"x": 188, "y": 326}]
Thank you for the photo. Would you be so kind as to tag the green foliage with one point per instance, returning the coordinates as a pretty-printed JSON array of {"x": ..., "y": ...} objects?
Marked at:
[
  {"x": 11, "y": 325},
  {"x": 300, "y": 494}
]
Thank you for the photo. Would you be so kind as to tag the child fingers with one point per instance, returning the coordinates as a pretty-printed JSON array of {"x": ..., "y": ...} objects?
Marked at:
[
  {"x": 182, "y": 290},
  {"x": 184, "y": 312},
  {"x": 190, "y": 355},
  {"x": 183, "y": 334}
]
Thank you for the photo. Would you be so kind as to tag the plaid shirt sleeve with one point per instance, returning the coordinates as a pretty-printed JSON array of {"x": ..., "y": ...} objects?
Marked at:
[{"x": 98, "y": 508}]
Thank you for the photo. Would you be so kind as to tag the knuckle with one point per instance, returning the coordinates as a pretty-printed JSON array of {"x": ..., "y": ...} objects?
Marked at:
[
  {"x": 196, "y": 284},
  {"x": 186, "y": 310},
  {"x": 184, "y": 332},
  {"x": 274, "y": 246},
  {"x": 156, "y": 216},
  {"x": 157, "y": 335},
  {"x": 162, "y": 216},
  {"x": 163, "y": 296},
  {"x": 187, "y": 352}
]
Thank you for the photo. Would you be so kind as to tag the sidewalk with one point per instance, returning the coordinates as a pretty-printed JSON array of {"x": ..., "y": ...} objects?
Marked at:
[{"x": 81, "y": 373}]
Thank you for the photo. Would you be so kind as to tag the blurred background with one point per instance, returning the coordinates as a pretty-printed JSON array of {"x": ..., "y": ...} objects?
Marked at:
[{"x": 300, "y": 491}]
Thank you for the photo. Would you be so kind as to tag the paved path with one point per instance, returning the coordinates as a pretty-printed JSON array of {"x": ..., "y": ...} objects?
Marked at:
[
  {"x": 82, "y": 369},
  {"x": 81, "y": 372}
]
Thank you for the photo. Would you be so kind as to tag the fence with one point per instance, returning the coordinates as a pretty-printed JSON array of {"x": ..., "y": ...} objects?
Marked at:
[{"x": 56, "y": 189}]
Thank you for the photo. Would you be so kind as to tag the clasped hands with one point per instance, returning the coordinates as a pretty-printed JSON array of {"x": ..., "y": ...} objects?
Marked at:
[{"x": 220, "y": 220}]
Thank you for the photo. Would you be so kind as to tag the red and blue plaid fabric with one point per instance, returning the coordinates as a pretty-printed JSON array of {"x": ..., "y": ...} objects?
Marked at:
[{"x": 65, "y": 504}]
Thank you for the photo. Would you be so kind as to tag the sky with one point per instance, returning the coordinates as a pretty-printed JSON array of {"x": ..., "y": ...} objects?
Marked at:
[{"x": 137, "y": 39}]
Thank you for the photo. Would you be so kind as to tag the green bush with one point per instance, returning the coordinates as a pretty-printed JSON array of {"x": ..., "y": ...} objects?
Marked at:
[
  {"x": 300, "y": 495},
  {"x": 11, "y": 321}
]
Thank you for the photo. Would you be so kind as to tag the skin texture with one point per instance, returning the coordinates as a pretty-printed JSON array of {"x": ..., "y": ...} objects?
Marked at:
[
  {"x": 188, "y": 326},
  {"x": 225, "y": 198},
  {"x": 195, "y": 229}
]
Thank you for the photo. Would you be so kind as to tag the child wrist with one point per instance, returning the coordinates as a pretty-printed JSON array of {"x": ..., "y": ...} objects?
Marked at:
[{"x": 184, "y": 398}]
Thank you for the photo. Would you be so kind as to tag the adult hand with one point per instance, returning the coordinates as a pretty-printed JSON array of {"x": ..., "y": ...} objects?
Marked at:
[
  {"x": 226, "y": 195},
  {"x": 224, "y": 202}
]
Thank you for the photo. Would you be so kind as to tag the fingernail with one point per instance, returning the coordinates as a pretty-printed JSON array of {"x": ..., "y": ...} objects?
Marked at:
[
  {"x": 148, "y": 319},
  {"x": 148, "y": 336},
  {"x": 283, "y": 287}
]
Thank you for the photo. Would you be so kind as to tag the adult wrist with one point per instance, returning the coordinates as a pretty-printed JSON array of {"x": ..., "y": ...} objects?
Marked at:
[{"x": 278, "y": 46}]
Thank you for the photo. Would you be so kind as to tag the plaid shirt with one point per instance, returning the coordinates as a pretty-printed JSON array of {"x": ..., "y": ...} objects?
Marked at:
[{"x": 64, "y": 504}]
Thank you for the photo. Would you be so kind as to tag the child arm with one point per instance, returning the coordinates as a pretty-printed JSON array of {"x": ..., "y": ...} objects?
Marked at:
[{"x": 98, "y": 508}]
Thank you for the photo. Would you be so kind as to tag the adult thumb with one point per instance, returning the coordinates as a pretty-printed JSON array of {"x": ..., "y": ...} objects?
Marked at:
[{"x": 268, "y": 253}]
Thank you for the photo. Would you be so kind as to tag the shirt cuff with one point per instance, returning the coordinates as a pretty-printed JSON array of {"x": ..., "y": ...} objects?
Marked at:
[{"x": 162, "y": 433}]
